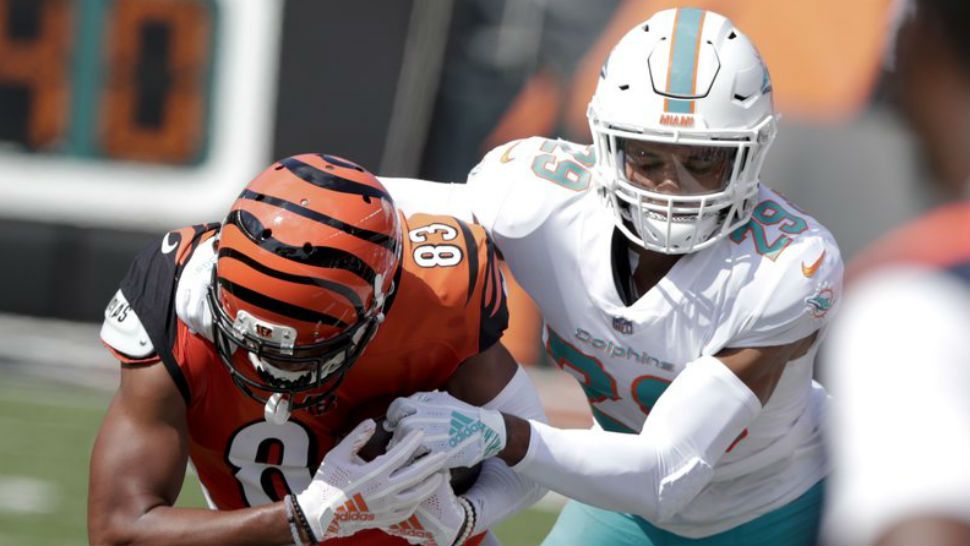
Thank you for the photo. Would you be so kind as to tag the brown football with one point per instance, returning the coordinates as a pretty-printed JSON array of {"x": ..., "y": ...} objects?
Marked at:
[{"x": 462, "y": 478}]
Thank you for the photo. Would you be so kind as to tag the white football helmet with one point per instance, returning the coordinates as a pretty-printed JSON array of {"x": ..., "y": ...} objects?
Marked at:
[{"x": 686, "y": 95}]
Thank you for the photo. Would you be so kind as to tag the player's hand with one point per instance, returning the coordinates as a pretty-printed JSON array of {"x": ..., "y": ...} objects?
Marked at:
[
  {"x": 348, "y": 494},
  {"x": 467, "y": 434},
  {"x": 438, "y": 521}
]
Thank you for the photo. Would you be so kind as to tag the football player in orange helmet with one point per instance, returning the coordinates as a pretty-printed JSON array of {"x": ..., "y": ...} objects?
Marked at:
[
  {"x": 320, "y": 312},
  {"x": 329, "y": 284}
]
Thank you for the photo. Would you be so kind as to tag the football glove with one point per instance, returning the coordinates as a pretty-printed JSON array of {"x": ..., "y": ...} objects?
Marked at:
[
  {"x": 467, "y": 434},
  {"x": 348, "y": 494},
  {"x": 438, "y": 521}
]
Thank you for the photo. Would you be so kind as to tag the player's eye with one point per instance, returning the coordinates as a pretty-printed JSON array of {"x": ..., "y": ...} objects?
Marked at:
[
  {"x": 643, "y": 159},
  {"x": 285, "y": 365},
  {"x": 705, "y": 161}
]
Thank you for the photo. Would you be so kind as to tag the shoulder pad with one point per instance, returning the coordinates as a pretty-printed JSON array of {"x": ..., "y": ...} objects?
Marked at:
[
  {"x": 947, "y": 227},
  {"x": 445, "y": 253},
  {"x": 139, "y": 319},
  {"x": 797, "y": 284},
  {"x": 181, "y": 243},
  {"x": 123, "y": 331},
  {"x": 518, "y": 185},
  {"x": 458, "y": 263},
  {"x": 798, "y": 297}
]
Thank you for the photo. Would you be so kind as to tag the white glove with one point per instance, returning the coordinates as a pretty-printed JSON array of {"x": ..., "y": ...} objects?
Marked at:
[
  {"x": 191, "y": 293},
  {"x": 436, "y": 522},
  {"x": 468, "y": 434},
  {"x": 348, "y": 495}
]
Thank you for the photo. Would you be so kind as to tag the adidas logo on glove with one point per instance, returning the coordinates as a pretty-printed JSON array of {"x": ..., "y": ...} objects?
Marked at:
[
  {"x": 462, "y": 427},
  {"x": 354, "y": 509}
]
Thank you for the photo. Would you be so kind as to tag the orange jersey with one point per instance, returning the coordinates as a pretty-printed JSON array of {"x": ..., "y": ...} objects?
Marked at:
[
  {"x": 449, "y": 305},
  {"x": 939, "y": 239}
]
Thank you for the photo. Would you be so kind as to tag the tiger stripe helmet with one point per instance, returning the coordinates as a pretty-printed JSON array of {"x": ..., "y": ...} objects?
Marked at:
[{"x": 307, "y": 258}]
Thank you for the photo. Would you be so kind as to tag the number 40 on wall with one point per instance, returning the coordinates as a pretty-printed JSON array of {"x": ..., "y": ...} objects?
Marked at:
[{"x": 122, "y": 79}]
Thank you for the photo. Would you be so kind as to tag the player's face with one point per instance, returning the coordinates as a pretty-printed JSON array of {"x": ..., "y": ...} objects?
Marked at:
[
  {"x": 287, "y": 366},
  {"x": 676, "y": 169},
  {"x": 302, "y": 361}
]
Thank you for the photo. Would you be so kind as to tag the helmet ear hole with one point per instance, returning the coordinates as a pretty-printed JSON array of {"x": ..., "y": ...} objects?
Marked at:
[
  {"x": 307, "y": 247},
  {"x": 266, "y": 234}
]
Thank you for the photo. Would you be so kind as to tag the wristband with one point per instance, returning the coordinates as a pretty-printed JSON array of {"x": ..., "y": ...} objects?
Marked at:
[
  {"x": 469, "y": 528},
  {"x": 302, "y": 523},
  {"x": 291, "y": 520}
]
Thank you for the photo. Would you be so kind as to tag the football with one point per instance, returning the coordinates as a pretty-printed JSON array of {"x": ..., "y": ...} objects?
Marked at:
[{"x": 462, "y": 478}]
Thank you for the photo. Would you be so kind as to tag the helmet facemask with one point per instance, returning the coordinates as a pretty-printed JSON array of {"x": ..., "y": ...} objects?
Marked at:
[
  {"x": 679, "y": 208},
  {"x": 303, "y": 376}
]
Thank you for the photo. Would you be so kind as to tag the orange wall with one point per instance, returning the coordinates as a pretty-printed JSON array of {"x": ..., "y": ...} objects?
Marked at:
[{"x": 824, "y": 57}]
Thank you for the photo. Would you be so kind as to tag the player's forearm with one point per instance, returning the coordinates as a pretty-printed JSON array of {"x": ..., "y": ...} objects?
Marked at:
[
  {"x": 519, "y": 434},
  {"x": 168, "y": 526},
  {"x": 499, "y": 491},
  {"x": 413, "y": 195},
  {"x": 654, "y": 473},
  {"x": 614, "y": 471}
]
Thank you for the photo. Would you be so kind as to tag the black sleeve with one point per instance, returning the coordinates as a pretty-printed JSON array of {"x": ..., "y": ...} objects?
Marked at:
[
  {"x": 149, "y": 286},
  {"x": 494, "y": 309}
]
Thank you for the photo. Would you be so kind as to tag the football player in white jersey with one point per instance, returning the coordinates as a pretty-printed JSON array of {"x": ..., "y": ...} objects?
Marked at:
[
  {"x": 686, "y": 297},
  {"x": 900, "y": 428}
]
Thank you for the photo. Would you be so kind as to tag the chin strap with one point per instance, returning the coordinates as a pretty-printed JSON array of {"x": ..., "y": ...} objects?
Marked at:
[{"x": 277, "y": 409}]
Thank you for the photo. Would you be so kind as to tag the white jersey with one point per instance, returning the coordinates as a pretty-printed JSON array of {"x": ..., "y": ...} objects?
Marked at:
[
  {"x": 772, "y": 282},
  {"x": 899, "y": 426}
]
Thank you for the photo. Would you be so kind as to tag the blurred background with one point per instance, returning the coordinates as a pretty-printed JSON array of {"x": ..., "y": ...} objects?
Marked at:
[{"x": 122, "y": 119}]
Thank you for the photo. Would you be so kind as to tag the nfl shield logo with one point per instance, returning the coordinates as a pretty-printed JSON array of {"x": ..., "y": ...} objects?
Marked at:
[{"x": 622, "y": 325}]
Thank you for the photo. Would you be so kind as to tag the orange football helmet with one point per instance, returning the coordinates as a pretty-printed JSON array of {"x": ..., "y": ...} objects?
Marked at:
[{"x": 307, "y": 260}]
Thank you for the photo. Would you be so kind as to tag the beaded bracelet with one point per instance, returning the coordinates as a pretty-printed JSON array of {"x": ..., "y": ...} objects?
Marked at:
[
  {"x": 302, "y": 523},
  {"x": 470, "y": 518},
  {"x": 291, "y": 519}
]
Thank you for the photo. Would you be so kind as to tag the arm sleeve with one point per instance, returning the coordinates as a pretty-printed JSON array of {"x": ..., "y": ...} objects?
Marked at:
[
  {"x": 494, "y": 310},
  {"x": 140, "y": 326},
  {"x": 499, "y": 491},
  {"x": 656, "y": 473},
  {"x": 482, "y": 198},
  {"x": 413, "y": 196},
  {"x": 897, "y": 365}
]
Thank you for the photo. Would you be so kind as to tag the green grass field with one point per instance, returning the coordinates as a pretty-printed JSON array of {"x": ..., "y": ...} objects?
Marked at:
[{"x": 46, "y": 434}]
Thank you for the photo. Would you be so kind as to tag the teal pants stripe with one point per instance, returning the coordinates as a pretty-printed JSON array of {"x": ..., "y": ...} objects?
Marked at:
[{"x": 795, "y": 524}]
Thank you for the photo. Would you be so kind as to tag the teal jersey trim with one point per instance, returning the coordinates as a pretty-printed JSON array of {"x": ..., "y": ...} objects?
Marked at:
[{"x": 794, "y": 524}]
